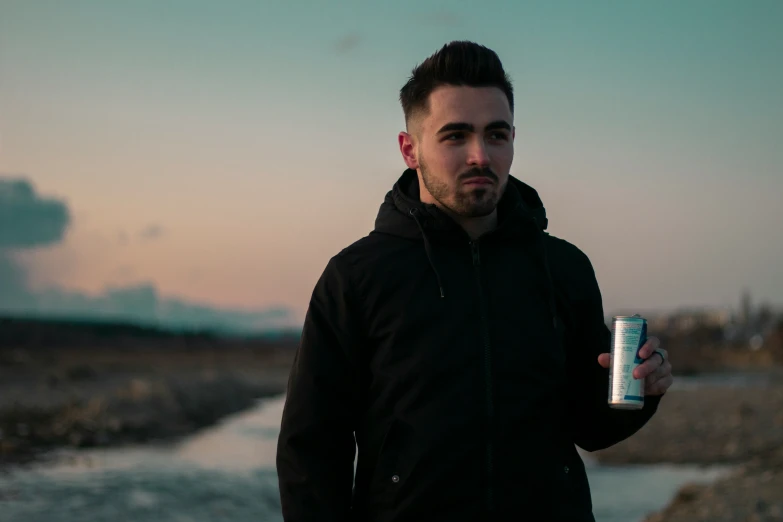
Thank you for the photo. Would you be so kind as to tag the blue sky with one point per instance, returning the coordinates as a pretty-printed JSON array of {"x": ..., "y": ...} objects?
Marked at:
[{"x": 259, "y": 137}]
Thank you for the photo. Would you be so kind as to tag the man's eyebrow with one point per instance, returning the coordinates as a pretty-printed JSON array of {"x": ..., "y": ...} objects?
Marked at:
[
  {"x": 462, "y": 126},
  {"x": 456, "y": 126},
  {"x": 498, "y": 124}
]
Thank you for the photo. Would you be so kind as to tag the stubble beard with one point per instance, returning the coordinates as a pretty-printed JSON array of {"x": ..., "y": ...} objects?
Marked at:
[{"x": 473, "y": 203}]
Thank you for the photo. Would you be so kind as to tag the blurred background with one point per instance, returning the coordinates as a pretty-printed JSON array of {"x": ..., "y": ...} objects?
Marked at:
[{"x": 175, "y": 175}]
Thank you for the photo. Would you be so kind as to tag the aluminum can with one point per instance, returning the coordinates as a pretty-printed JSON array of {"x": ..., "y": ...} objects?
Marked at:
[{"x": 629, "y": 333}]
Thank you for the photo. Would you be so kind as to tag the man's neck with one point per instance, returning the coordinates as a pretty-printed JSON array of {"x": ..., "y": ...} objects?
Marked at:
[{"x": 474, "y": 226}]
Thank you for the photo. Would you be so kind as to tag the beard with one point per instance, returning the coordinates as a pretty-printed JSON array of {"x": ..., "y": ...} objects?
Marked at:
[{"x": 478, "y": 201}]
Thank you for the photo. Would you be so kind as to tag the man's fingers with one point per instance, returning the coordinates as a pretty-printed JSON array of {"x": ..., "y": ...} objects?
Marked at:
[
  {"x": 652, "y": 344},
  {"x": 655, "y": 365},
  {"x": 647, "y": 367},
  {"x": 656, "y": 368},
  {"x": 660, "y": 386},
  {"x": 662, "y": 371}
]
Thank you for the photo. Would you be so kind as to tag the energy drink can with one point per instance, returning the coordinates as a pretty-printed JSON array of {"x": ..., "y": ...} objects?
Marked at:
[{"x": 629, "y": 333}]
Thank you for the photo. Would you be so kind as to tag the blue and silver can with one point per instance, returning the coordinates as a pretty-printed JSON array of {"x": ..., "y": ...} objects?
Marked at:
[{"x": 629, "y": 333}]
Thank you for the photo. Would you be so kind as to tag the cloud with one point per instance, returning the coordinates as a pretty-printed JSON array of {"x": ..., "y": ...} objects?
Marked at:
[
  {"x": 141, "y": 303},
  {"x": 13, "y": 284},
  {"x": 347, "y": 43},
  {"x": 28, "y": 220},
  {"x": 151, "y": 232}
]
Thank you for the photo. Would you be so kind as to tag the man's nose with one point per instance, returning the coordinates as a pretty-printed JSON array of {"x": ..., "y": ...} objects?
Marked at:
[{"x": 478, "y": 156}]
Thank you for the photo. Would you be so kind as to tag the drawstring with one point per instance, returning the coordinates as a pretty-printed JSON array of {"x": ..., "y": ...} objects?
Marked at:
[
  {"x": 550, "y": 282},
  {"x": 428, "y": 249}
]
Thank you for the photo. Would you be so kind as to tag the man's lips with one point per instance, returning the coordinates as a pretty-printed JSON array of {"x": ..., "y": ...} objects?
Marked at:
[{"x": 478, "y": 181}]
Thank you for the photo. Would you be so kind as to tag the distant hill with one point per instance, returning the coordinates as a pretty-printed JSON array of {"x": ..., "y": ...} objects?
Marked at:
[
  {"x": 27, "y": 331},
  {"x": 142, "y": 304}
]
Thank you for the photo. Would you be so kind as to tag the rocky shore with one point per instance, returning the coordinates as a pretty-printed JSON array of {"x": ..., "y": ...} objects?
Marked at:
[
  {"x": 139, "y": 410},
  {"x": 741, "y": 426},
  {"x": 74, "y": 386},
  {"x": 753, "y": 493}
]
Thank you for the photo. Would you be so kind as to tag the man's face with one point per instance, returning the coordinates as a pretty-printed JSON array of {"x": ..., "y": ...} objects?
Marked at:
[{"x": 462, "y": 149}]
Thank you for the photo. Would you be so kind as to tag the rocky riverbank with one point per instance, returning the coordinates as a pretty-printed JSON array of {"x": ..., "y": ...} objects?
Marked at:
[
  {"x": 716, "y": 425},
  {"x": 706, "y": 426},
  {"x": 72, "y": 386},
  {"x": 80, "y": 386},
  {"x": 753, "y": 493},
  {"x": 134, "y": 411}
]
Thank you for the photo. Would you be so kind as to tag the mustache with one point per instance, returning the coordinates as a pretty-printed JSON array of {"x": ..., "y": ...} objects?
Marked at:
[{"x": 479, "y": 172}]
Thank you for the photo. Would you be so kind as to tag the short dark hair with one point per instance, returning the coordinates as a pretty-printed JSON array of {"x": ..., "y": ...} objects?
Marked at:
[{"x": 456, "y": 63}]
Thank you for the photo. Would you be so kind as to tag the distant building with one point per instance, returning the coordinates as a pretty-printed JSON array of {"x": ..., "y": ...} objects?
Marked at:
[
  {"x": 685, "y": 320},
  {"x": 750, "y": 327}
]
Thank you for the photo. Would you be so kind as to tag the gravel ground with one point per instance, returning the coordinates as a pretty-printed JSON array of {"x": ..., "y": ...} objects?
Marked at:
[
  {"x": 740, "y": 426},
  {"x": 754, "y": 493},
  {"x": 51, "y": 400},
  {"x": 706, "y": 426}
]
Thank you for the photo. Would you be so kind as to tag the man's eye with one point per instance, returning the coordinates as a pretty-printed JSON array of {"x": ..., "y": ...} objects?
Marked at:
[
  {"x": 499, "y": 136},
  {"x": 454, "y": 136}
]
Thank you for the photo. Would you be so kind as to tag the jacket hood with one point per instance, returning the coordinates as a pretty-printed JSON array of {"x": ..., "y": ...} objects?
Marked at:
[
  {"x": 403, "y": 214},
  {"x": 396, "y": 214}
]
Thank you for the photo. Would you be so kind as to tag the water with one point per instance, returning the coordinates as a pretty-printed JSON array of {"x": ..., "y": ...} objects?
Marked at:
[
  {"x": 227, "y": 473},
  {"x": 627, "y": 494}
]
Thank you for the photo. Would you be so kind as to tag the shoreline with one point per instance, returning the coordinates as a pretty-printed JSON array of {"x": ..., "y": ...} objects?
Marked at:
[
  {"x": 102, "y": 386},
  {"x": 141, "y": 412},
  {"x": 90, "y": 395},
  {"x": 751, "y": 491},
  {"x": 738, "y": 427},
  {"x": 711, "y": 425}
]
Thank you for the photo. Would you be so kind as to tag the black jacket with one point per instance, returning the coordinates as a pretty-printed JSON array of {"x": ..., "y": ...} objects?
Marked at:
[{"x": 464, "y": 372}]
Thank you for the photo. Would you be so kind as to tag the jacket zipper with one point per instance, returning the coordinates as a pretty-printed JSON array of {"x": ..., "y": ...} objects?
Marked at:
[{"x": 474, "y": 246}]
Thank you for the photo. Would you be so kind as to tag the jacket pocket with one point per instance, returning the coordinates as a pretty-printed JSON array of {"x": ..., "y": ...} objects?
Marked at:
[
  {"x": 577, "y": 493},
  {"x": 388, "y": 477}
]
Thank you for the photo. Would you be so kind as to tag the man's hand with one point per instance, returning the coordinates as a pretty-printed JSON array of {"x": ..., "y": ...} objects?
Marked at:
[{"x": 656, "y": 369}]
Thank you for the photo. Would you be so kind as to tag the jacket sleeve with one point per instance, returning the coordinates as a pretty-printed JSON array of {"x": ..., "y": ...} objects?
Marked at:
[
  {"x": 594, "y": 425},
  {"x": 316, "y": 445}
]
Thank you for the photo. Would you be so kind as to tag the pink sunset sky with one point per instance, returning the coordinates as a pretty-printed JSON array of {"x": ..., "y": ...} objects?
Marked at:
[{"x": 217, "y": 156}]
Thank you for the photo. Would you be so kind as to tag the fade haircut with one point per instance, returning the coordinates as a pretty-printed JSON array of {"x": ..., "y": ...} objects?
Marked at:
[{"x": 457, "y": 63}]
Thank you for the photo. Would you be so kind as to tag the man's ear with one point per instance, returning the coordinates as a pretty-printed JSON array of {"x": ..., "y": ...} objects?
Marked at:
[{"x": 407, "y": 144}]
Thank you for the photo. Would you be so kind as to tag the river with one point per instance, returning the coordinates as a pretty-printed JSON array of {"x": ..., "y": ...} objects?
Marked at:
[{"x": 227, "y": 473}]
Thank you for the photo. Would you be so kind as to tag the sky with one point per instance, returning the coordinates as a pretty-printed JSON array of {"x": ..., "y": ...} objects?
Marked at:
[{"x": 219, "y": 153}]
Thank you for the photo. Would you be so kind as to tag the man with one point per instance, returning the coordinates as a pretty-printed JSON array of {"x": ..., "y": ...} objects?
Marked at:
[{"x": 458, "y": 346}]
